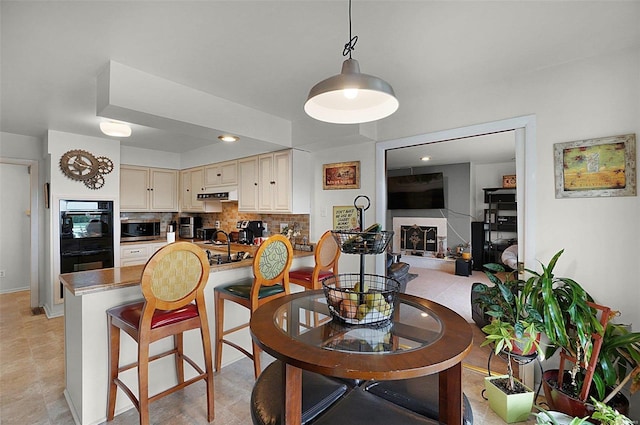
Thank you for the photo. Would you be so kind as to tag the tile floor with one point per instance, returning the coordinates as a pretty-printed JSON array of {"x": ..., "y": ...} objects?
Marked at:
[{"x": 32, "y": 378}]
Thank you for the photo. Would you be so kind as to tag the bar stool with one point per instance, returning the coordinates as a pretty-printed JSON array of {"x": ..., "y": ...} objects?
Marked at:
[
  {"x": 270, "y": 281},
  {"x": 172, "y": 284},
  {"x": 326, "y": 264},
  {"x": 319, "y": 392}
]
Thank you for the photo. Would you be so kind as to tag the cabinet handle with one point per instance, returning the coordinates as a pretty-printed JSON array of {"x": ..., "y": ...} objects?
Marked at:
[
  {"x": 134, "y": 251},
  {"x": 255, "y": 183},
  {"x": 272, "y": 182},
  {"x": 218, "y": 175}
]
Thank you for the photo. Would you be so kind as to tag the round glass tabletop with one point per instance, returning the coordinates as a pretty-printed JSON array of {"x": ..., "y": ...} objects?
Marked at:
[{"x": 307, "y": 319}]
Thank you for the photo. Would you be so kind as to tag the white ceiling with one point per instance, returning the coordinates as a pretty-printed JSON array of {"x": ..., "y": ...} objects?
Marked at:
[{"x": 266, "y": 55}]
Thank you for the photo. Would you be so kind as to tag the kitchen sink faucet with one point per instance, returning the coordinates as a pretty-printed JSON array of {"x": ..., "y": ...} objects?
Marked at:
[{"x": 213, "y": 238}]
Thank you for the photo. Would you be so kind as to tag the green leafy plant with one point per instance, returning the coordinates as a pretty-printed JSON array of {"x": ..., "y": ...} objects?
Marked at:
[
  {"x": 618, "y": 362},
  {"x": 514, "y": 321},
  {"x": 569, "y": 322},
  {"x": 607, "y": 415}
]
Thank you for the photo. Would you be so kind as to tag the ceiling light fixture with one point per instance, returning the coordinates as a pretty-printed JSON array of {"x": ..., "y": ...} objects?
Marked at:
[
  {"x": 425, "y": 158},
  {"x": 228, "y": 138},
  {"x": 115, "y": 129},
  {"x": 351, "y": 97}
]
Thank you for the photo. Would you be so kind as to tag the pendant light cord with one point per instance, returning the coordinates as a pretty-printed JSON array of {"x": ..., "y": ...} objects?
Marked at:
[{"x": 352, "y": 40}]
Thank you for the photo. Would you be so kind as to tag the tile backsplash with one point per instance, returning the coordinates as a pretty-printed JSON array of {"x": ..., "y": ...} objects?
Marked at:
[{"x": 230, "y": 216}]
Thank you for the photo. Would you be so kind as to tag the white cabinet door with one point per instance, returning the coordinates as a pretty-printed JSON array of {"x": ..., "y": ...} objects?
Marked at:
[
  {"x": 191, "y": 184},
  {"x": 164, "y": 190},
  {"x": 197, "y": 186},
  {"x": 221, "y": 174},
  {"x": 281, "y": 176},
  {"x": 266, "y": 182},
  {"x": 248, "y": 184},
  {"x": 134, "y": 188}
]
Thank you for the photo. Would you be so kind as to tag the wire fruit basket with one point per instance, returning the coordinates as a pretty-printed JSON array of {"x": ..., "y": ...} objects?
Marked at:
[
  {"x": 361, "y": 299},
  {"x": 351, "y": 242}
]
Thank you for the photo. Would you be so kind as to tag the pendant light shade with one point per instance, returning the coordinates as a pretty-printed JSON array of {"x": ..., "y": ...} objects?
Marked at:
[{"x": 351, "y": 97}]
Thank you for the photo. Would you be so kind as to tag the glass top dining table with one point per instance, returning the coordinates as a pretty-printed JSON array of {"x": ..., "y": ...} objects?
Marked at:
[{"x": 421, "y": 338}]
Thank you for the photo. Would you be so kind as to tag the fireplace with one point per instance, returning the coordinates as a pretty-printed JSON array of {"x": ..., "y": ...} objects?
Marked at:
[
  {"x": 418, "y": 239},
  {"x": 418, "y": 236}
]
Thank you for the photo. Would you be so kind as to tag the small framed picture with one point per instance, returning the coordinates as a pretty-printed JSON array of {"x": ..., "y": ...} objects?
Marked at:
[
  {"x": 341, "y": 175},
  {"x": 596, "y": 167}
]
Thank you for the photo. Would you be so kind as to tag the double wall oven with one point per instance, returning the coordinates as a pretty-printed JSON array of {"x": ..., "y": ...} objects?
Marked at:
[{"x": 86, "y": 236}]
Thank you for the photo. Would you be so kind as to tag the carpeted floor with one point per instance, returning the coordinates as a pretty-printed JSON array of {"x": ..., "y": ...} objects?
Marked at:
[{"x": 445, "y": 288}]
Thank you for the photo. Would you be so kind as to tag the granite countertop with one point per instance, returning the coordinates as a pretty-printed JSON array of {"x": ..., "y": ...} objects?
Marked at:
[{"x": 90, "y": 281}]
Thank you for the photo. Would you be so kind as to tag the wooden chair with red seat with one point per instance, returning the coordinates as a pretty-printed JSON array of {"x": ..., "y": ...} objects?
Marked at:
[
  {"x": 326, "y": 264},
  {"x": 173, "y": 284},
  {"x": 270, "y": 281}
]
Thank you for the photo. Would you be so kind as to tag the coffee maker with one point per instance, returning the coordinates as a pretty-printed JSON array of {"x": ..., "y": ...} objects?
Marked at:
[{"x": 248, "y": 230}]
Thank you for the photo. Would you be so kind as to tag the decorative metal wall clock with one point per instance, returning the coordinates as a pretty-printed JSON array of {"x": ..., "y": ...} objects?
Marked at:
[{"x": 82, "y": 166}]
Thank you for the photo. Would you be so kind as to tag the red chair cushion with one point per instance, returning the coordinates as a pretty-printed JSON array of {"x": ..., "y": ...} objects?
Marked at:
[
  {"x": 304, "y": 273},
  {"x": 130, "y": 313}
]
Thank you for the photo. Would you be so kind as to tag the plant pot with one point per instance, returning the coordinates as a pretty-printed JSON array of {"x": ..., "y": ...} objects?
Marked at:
[
  {"x": 510, "y": 407},
  {"x": 572, "y": 406},
  {"x": 518, "y": 347}
]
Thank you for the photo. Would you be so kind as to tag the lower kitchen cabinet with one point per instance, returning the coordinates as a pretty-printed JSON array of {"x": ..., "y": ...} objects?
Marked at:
[{"x": 134, "y": 254}]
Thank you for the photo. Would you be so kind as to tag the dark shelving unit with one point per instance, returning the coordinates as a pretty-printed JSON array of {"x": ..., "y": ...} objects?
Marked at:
[{"x": 500, "y": 217}]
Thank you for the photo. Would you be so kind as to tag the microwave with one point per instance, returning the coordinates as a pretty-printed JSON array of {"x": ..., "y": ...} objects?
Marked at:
[{"x": 139, "y": 230}]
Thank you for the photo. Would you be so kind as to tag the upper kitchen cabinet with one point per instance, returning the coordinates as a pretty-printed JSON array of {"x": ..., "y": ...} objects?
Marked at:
[
  {"x": 148, "y": 189},
  {"x": 248, "y": 184},
  {"x": 192, "y": 183},
  {"x": 221, "y": 174},
  {"x": 278, "y": 182}
]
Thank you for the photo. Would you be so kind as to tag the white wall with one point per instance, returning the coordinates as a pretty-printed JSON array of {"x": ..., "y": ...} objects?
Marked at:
[
  {"x": 17, "y": 146},
  {"x": 62, "y": 187},
  {"x": 323, "y": 201},
  {"x": 14, "y": 227},
  {"x": 591, "y": 98}
]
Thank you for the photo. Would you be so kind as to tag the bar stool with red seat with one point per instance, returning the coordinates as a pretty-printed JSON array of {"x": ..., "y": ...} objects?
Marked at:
[
  {"x": 173, "y": 282},
  {"x": 326, "y": 264},
  {"x": 270, "y": 281}
]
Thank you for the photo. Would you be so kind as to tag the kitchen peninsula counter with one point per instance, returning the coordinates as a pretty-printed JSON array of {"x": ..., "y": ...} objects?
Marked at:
[
  {"x": 89, "y": 294},
  {"x": 86, "y": 282}
]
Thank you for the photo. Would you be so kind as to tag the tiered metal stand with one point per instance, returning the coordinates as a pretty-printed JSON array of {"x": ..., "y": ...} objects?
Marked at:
[{"x": 377, "y": 292}]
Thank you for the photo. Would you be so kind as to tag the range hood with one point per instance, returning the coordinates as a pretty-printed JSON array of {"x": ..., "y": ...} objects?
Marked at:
[{"x": 223, "y": 194}]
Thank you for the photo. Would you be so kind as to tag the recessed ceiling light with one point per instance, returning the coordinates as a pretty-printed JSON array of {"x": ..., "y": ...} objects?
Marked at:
[
  {"x": 115, "y": 129},
  {"x": 228, "y": 138},
  {"x": 425, "y": 158}
]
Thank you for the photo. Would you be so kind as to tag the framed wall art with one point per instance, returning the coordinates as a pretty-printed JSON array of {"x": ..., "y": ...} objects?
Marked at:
[
  {"x": 596, "y": 167},
  {"x": 346, "y": 218},
  {"x": 341, "y": 175}
]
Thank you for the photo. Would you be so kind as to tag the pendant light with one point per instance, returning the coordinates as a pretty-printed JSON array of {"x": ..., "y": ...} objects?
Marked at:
[{"x": 351, "y": 97}]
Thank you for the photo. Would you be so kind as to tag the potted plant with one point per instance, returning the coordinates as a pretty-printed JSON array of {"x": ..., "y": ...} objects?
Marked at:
[
  {"x": 617, "y": 362},
  {"x": 514, "y": 330},
  {"x": 603, "y": 413},
  {"x": 602, "y": 353}
]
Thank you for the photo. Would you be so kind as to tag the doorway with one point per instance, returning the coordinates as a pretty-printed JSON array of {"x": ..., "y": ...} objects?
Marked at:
[
  {"x": 524, "y": 129},
  {"x": 20, "y": 218}
]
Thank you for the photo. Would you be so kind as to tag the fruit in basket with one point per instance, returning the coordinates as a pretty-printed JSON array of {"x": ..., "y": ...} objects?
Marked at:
[
  {"x": 384, "y": 309},
  {"x": 348, "y": 308},
  {"x": 360, "y": 288},
  {"x": 363, "y": 309},
  {"x": 374, "y": 299}
]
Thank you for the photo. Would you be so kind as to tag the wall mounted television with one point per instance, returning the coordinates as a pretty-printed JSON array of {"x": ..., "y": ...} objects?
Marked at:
[{"x": 416, "y": 191}]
